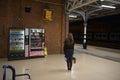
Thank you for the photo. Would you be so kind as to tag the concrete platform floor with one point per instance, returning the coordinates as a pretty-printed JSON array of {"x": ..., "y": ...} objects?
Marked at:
[
  {"x": 53, "y": 67},
  {"x": 107, "y": 53}
]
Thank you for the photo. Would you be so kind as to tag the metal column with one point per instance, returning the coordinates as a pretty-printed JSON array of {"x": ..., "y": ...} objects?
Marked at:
[{"x": 85, "y": 18}]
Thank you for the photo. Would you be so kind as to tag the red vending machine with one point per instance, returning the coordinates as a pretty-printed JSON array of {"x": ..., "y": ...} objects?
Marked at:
[
  {"x": 36, "y": 43},
  {"x": 16, "y": 44}
]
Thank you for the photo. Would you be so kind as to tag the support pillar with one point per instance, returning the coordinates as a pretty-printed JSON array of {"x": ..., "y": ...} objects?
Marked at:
[
  {"x": 85, "y": 36},
  {"x": 85, "y": 18},
  {"x": 67, "y": 24}
]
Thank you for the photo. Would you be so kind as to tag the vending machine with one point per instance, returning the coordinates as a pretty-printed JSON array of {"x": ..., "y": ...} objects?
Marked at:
[
  {"x": 16, "y": 44},
  {"x": 25, "y": 43},
  {"x": 37, "y": 41}
]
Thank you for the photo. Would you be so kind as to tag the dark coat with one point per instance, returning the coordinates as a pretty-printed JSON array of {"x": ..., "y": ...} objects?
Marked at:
[{"x": 68, "y": 50}]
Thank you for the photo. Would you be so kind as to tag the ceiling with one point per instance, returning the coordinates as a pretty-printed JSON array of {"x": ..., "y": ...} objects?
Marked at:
[{"x": 91, "y": 8}]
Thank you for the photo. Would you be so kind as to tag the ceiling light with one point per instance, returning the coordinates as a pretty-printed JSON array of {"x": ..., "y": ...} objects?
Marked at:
[
  {"x": 102, "y": 0},
  {"x": 106, "y": 6},
  {"x": 73, "y": 16}
]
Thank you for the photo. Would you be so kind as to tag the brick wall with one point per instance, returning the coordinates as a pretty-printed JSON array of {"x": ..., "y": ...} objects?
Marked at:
[{"x": 13, "y": 15}]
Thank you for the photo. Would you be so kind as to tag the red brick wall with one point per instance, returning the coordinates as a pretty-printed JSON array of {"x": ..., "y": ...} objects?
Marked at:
[
  {"x": 3, "y": 21},
  {"x": 13, "y": 15}
]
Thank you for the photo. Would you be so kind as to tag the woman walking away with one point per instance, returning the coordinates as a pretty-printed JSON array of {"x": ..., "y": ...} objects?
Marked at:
[{"x": 68, "y": 50}]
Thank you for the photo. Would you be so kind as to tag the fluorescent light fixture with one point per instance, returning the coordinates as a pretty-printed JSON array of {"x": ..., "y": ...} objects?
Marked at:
[
  {"x": 106, "y": 6},
  {"x": 102, "y": 0},
  {"x": 73, "y": 16}
]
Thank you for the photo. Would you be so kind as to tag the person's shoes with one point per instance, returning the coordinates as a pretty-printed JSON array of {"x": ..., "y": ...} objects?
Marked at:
[{"x": 69, "y": 69}]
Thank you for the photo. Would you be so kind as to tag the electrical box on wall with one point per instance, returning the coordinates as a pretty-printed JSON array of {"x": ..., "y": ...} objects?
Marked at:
[{"x": 28, "y": 9}]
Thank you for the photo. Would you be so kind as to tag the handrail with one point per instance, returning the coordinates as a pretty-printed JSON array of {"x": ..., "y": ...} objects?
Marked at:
[
  {"x": 17, "y": 75},
  {"x": 13, "y": 72}
]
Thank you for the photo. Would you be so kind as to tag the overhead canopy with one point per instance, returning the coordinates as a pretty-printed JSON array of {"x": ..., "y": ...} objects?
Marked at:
[{"x": 93, "y": 7}]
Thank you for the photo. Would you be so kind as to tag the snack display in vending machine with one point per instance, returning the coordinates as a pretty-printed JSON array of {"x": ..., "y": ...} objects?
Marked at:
[{"x": 37, "y": 41}]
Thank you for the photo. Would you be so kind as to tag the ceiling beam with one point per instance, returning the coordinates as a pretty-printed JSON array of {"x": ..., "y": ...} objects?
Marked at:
[
  {"x": 83, "y": 4},
  {"x": 75, "y": 1}
]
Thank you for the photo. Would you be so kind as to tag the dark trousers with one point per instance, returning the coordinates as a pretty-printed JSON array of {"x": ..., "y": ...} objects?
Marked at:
[{"x": 69, "y": 63}]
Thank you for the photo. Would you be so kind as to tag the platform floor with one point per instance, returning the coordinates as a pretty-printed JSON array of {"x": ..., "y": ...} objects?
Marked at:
[{"x": 89, "y": 66}]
